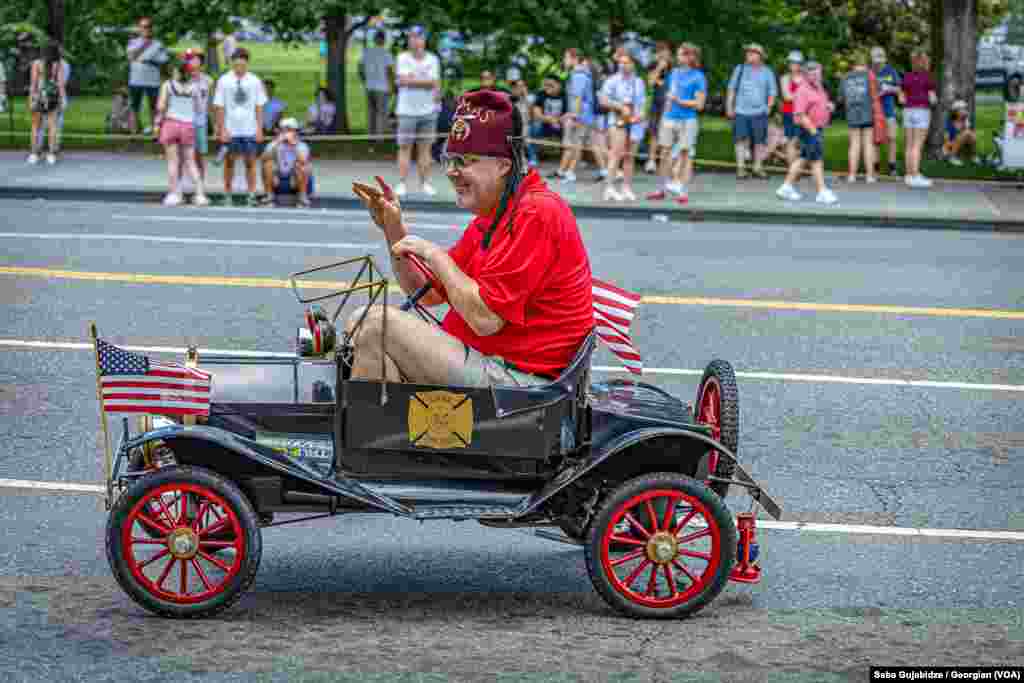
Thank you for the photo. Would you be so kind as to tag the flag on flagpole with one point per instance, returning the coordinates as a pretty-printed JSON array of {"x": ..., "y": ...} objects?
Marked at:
[
  {"x": 614, "y": 310},
  {"x": 132, "y": 383}
]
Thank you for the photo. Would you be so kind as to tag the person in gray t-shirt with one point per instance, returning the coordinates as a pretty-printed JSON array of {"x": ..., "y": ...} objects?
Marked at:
[{"x": 857, "y": 92}]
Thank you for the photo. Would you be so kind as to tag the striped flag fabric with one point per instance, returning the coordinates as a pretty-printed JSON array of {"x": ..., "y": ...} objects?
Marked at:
[
  {"x": 614, "y": 309},
  {"x": 131, "y": 383}
]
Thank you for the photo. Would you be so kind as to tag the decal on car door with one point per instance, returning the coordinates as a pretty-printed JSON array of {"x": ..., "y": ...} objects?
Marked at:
[{"x": 440, "y": 419}]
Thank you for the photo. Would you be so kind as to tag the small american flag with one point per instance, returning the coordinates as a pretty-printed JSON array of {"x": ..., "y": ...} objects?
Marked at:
[
  {"x": 134, "y": 384},
  {"x": 614, "y": 309}
]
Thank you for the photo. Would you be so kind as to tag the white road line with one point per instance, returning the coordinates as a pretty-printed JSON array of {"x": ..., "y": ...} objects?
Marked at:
[
  {"x": 776, "y": 376},
  {"x": 59, "y": 486},
  {"x": 413, "y": 225},
  {"x": 185, "y": 240},
  {"x": 852, "y": 529}
]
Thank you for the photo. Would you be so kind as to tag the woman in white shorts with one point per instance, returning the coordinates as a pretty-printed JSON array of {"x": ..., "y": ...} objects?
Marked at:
[{"x": 918, "y": 96}]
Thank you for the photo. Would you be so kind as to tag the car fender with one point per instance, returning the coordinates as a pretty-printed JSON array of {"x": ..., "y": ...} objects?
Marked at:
[
  {"x": 230, "y": 454},
  {"x": 605, "y": 452}
]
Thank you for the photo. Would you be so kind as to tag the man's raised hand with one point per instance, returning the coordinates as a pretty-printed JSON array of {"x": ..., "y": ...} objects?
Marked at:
[{"x": 382, "y": 203}]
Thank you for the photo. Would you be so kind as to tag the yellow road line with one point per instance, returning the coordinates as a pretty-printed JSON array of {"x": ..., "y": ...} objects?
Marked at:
[{"x": 274, "y": 283}]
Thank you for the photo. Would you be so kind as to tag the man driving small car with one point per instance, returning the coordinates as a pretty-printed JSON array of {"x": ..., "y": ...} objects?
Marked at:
[{"x": 518, "y": 282}]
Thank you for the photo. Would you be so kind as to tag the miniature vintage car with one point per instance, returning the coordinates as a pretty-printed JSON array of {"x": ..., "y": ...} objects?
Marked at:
[{"x": 624, "y": 469}]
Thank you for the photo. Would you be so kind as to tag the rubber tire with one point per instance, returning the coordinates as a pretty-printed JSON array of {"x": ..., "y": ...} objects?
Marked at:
[
  {"x": 247, "y": 518},
  {"x": 729, "y": 417},
  {"x": 633, "y": 487}
]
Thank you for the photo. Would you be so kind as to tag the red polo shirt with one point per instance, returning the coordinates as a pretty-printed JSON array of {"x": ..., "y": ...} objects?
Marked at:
[{"x": 535, "y": 277}]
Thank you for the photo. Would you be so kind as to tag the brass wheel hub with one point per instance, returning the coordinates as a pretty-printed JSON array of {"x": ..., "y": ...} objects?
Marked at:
[
  {"x": 662, "y": 548},
  {"x": 183, "y": 543}
]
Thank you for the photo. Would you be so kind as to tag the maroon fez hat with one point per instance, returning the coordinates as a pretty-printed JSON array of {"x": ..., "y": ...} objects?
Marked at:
[{"x": 482, "y": 125}]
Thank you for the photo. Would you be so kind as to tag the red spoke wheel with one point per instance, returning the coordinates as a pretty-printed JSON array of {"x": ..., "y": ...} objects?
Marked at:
[
  {"x": 184, "y": 542},
  {"x": 718, "y": 406},
  {"x": 677, "y": 558}
]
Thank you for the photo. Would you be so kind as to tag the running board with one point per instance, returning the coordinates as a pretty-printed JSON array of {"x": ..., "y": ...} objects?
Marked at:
[{"x": 464, "y": 512}]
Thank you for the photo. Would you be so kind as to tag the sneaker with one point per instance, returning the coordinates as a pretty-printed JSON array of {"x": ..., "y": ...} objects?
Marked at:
[
  {"x": 266, "y": 200},
  {"x": 401, "y": 190},
  {"x": 650, "y": 166},
  {"x": 569, "y": 177},
  {"x": 172, "y": 199},
  {"x": 683, "y": 198},
  {"x": 557, "y": 173},
  {"x": 675, "y": 188},
  {"x": 429, "y": 190},
  {"x": 627, "y": 194},
  {"x": 303, "y": 202},
  {"x": 51, "y": 159},
  {"x": 656, "y": 196},
  {"x": 200, "y": 200},
  {"x": 826, "y": 196},
  {"x": 610, "y": 195},
  {"x": 871, "y": 179},
  {"x": 955, "y": 161},
  {"x": 920, "y": 181},
  {"x": 789, "y": 193},
  {"x": 33, "y": 159},
  {"x": 851, "y": 179},
  {"x": 908, "y": 181}
]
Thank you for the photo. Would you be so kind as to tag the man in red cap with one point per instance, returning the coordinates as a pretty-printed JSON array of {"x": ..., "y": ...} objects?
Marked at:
[{"x": 518, "y": 282}]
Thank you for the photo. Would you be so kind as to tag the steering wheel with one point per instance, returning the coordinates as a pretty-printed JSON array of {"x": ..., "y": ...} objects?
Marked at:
[{"x": 432, "y": 283}]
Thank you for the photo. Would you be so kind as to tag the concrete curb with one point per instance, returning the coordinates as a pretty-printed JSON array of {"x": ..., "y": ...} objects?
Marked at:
[{"x": 671, "y": 214}]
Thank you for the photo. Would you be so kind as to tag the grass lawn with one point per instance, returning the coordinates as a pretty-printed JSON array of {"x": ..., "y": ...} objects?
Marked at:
[{"x": 296, "y": 71}]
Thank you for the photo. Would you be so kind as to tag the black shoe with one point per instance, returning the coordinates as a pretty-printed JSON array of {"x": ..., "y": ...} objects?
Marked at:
[{"x": 554, "y": 174}]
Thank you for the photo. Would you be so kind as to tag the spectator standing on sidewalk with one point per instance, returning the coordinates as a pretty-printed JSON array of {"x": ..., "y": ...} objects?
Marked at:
[
  {"x": 918, "y": 96},
  {"x": 145, "y": 57},
  {"x": 202, "y": 91},
  {"x": 855, "y": 91},
  {"x": 751, "y": 95},
  {"x": 625, "y": 96},
  {"x": 549, "y": 106},
  {"x": 657, "y": 79},
  {"x": 788, "y": 85},
  {"x": 599, "y": 131},
  {"x": 419, "y": 75},
  {"x": 287, "y": 166},
  {"x": 680, "y": 125},
  {"x": 377, "y": 70},
  {"x": 812, "y": 111},
  {"x": 176, "y": 112},
  {"x": 239, "y": 101},
  {"x": 523, "y": 101},
  {"x": 273, "y": 111},
  {"x": 889, "y": 80},
  {"x": 579, "y": 115},
  {"x": 65, "y": 70},
  {"x": 46, "y": 98}
]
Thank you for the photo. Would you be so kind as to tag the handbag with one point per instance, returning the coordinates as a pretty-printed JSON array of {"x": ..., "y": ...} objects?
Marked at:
[{"x": 881, "y": 130}]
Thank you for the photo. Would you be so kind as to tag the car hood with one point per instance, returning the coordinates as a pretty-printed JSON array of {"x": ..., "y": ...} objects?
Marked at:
[{"x": 639, "y": 401}]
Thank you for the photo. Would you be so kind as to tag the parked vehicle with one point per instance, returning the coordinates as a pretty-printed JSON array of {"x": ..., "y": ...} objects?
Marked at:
[{"x": 1001, "y": 65}]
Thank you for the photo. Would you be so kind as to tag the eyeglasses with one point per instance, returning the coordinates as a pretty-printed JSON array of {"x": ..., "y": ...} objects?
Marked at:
[{"x": 458, "y": 162}]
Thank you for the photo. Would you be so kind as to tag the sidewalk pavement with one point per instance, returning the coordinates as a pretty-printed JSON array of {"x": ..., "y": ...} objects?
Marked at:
[{"x": 713, "y": 196}]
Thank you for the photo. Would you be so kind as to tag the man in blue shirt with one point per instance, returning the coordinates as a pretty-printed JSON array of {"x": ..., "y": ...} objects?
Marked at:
[
  {"x": 680, "y": 126},
  {"x": 889, "y": 82},
  {"x": 752, "y": 93},
  {"x": 579, "y": 115}
]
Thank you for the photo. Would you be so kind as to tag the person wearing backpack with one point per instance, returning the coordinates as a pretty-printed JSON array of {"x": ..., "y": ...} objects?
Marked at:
[
  {"x": 47, "y": 94},
  {"x": 752, "y": 92}
]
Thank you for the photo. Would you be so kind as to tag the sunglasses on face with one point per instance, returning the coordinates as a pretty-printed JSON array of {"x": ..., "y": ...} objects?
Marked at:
[{"x": 459, "y": 162}]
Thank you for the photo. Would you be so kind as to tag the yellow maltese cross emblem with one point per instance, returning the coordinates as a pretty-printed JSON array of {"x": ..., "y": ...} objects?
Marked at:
[{"x": 440, "y": 419}]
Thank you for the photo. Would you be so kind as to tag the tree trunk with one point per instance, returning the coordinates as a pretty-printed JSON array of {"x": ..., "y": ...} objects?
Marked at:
[
  {"x": 212, "y": 60},
  {"x": 55, "y": 16},
  {"x": 337, "y": 42},
  {"x": 958, "y": 37}
]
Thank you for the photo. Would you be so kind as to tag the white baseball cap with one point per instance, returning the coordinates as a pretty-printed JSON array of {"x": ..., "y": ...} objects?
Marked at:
[
  {"x": 289, "y": 124},
  {"x": 795, "y": 57},
  {"x": 959, "y": 105},
  {"x": 878, "y": 55}
]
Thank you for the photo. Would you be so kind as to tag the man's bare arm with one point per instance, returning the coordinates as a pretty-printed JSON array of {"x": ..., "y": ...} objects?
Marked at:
[{"x": 464, "y": 295}]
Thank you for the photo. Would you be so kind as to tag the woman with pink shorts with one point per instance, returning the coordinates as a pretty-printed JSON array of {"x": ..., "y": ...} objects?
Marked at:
[{"x": 176, "y": 115}]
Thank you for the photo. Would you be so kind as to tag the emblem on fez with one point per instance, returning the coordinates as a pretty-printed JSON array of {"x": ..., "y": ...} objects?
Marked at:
[{"x": 460, "y": 130}]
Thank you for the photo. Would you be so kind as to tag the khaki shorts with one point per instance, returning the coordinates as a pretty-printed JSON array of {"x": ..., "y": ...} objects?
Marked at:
[
  {"x": 684, "y": 133},
  {"x": 488, "y": 371},
  {"x": 576, "y": 135}
]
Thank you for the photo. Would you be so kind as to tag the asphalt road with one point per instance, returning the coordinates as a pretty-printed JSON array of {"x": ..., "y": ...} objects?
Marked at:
[{"x": 379, "y": 595}]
